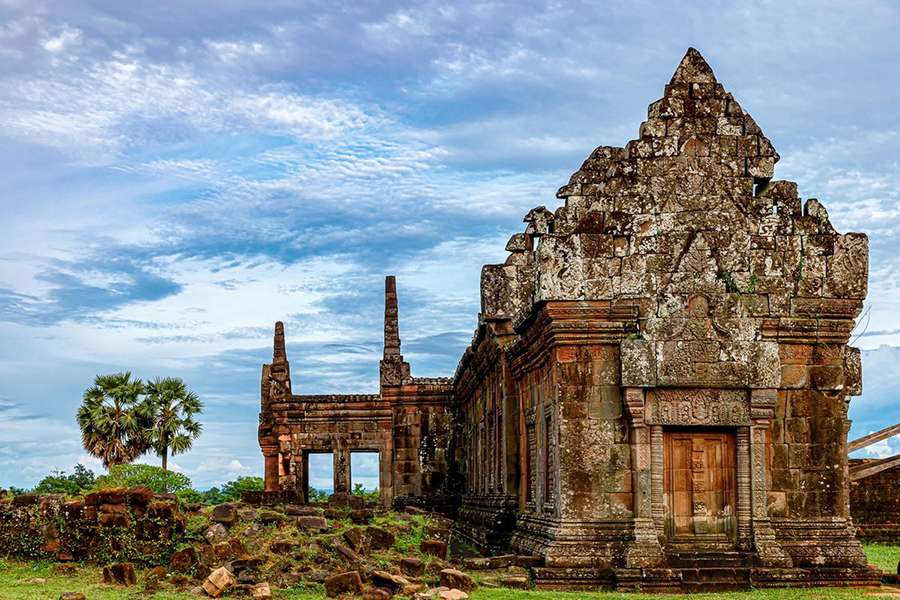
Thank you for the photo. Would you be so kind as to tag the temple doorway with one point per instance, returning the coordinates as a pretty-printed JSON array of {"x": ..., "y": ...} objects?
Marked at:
[{"x": 700, "y": 486}]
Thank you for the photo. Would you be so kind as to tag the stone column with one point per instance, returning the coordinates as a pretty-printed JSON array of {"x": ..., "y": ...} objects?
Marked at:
[
  {"x": 744, "y": 492},
  {"x": 341, "y": 463},
  {"x": 298, "y": 471},
  {"x": 657, "y": 474},
  {"x": 270, "y": 457},
  {"x": 762, "y": 409},
  {"x": 646, "y": 551}
]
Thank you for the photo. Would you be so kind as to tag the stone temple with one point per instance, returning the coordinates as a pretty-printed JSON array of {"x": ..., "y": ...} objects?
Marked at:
[{"x": 656, "y": 394}]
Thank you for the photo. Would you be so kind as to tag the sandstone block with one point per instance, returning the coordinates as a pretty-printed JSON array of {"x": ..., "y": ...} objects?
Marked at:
[
  {"x": 376, "y": 593},
  {"x": 434, "y": 548},
  {"x": 378, "y": 538},
  {"x": 261, "y": 591},
  {"x": 454, "y": 578},
  {"x": 388, "y": 581},
  {"x": 119, "y": 574},
  {"x": 343, "y": 583},
  {"x": 311, "y": 522},
  {"x": 412, "y": 566},
  {"x": 184, "y": 560},
  {"x": 72, "y": 596},
  {"x": 302, "y": 510},
  {"x": 224, "y": 513},
  {"x": 218, "y": 581},
  {"x": 216, "y": 533}
]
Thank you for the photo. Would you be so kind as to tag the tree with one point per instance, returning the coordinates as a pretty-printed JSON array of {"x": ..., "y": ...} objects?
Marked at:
[
  {"x": 58, "y": 482},
  {"x": 113, "y": 419},
  {"x": 173, "y": 407},
  {"x": 137, "y": 475},
  {"x": 232, "y": 490}
]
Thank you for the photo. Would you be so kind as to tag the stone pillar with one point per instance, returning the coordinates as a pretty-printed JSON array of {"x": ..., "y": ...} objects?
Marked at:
[
  {"x": 299, "y": 471},
  {"x": 657, "y": 475},
  {"x": 341, "y": 463},
  {"x": 646, "y": 551},
  {"x": 270, "y": 457},
  {"x": 744, "y": 493},
  {"x": 762, "y": 410}
]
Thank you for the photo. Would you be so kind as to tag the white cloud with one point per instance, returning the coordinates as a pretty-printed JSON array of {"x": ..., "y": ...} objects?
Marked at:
[{"x": 68, "y": 36}]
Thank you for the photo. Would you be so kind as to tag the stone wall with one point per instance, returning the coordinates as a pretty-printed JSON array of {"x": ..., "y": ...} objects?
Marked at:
[
  {"x": 409, "y": 424},
  {"x": 111, "y": 525},
  {"x": 875, "y": 505}
]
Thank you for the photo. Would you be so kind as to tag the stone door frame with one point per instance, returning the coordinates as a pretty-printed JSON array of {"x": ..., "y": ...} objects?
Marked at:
[{"x": 747, "y": 412}]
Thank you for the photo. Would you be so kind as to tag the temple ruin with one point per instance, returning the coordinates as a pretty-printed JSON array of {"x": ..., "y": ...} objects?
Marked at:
[{"x": 656, "y": 394}]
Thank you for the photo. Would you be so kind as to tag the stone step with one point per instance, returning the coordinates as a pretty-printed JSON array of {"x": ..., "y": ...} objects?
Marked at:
[{"x": 729, "y": 559}]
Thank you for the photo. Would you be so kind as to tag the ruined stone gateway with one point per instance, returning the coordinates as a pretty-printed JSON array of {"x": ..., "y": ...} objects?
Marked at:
[{"x": 656, "y": 395}]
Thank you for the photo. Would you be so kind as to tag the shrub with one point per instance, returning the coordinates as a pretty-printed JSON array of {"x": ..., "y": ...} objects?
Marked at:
[
  {"x": 58, "y": 482},
  {"x": 369, "y": 495},
  {"x": 232, "y": 490},
  {"x": 317, "y": 495},
  {"x": 155, "y": 478},
  {"x": 189, "y": 496}
]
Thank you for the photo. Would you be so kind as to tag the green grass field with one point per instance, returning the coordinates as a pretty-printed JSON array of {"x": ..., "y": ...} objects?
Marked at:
[{"x": 21, "y": 581}]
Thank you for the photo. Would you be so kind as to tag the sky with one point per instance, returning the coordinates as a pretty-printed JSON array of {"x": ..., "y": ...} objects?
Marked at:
[{"x": 177, "y": 176}]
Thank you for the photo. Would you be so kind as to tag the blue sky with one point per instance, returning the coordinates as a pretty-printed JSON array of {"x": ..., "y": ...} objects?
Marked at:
[{"x": 178, "y": 176}]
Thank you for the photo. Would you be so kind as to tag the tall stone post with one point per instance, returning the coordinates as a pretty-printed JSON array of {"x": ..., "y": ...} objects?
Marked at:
[
  {"x": 762, "y": 409},
  {"x": 646, "y": 551},
  {"x": 341, "y": 459},
  {"x": 394, "y": 370}
]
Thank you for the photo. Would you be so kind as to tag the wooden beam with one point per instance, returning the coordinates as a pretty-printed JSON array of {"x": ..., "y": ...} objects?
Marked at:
[
  {"x": 868, "y": 440},
  {"x": 867, "y": 469}
]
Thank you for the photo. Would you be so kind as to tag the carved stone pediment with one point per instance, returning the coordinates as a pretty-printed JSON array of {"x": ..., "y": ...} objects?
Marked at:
[{"x": 697, "y": 407}]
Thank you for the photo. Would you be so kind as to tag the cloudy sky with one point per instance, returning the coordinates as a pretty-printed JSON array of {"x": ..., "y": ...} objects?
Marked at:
[{"x": 178, "y": 176}]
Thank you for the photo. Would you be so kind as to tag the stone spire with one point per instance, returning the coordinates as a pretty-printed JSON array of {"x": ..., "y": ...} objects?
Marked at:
[
  {"x": 693, "y": 68},
  {"x": 394, "y": 370},
  {"x": 391, "y": 322},
  {"x": 277, "y": 376},
  {"x": 279, "y": 353}
]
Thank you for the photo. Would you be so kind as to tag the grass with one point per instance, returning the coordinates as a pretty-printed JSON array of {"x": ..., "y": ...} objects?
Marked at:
[
  {"x": 883, "y": 556},
  {"x": 773, "y": 594},
  {"x": 15, "y": 575}
]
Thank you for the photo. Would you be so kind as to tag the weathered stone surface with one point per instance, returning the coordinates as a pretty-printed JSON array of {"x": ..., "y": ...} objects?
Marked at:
[
  {"x": 412, "y": 566},
  {"x": 454, "y": 578},
  {"x": 343, "y": 583},
  {"x": 72, "y": 596},
  {"x": 183, "y": 561},
  {"x": 379, "y": 538},
  {"x": 434, "y": 548},
  {"x": 119, "y": 574},
  {"x": 261, "y": 591},
  {"x": 311, "y": 522},
  {"x": 216, "y": 533},
  {"x": 376, "y": 593},
  {"x": 224, "y": 513},
  {"x": 218, "y": 582}
]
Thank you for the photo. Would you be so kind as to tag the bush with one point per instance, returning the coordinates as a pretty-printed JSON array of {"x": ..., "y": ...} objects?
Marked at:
[
  {"x": 370, "y": 496},
  {"x": 317, "y": 495},
  {"x": 155, "y": 478},
  {"x": 72, "y": 485},
  {"x": 232, "y": 490},
  {"x": 189, "y": 496}
]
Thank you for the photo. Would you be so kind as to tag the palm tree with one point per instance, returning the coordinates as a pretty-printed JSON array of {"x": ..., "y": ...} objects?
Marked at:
[
  {"x": 173, "y": 407},
  {"x": 112, "y": 419}
]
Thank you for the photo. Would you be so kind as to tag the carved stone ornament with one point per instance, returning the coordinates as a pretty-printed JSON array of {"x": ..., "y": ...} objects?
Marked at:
[{"x": 697, "y": 407}]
